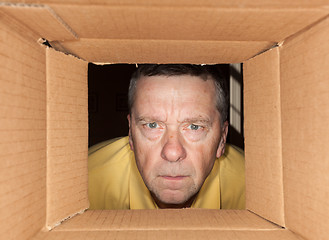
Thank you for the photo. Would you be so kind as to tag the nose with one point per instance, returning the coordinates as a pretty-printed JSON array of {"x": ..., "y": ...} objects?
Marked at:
[{"x": 173, "y": 150}]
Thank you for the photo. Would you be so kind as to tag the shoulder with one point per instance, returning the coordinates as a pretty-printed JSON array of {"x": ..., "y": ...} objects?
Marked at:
[
  {"x": 108, "y": 171},
  {"x": 232, "y": 178},
  {"x": 108, "y": 152},
  {"x": 233, "y": 160}
]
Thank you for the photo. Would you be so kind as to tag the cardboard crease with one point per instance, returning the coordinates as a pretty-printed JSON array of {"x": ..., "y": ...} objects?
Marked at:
[
  {"x": 62, "y": 22},
  {"x": 66, "y": 219}
]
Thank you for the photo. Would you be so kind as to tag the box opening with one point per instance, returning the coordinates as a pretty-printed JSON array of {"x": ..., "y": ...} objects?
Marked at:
[{"x": 108, "y": 106}]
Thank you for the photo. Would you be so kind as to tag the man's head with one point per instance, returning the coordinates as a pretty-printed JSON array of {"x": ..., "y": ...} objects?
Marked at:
[{"x": 177, "y": 128}]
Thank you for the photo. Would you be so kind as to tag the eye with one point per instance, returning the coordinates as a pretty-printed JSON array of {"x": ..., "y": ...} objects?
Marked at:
[
  {"x": 152, "y": 125},
  {"x": 194, "y": 127}
]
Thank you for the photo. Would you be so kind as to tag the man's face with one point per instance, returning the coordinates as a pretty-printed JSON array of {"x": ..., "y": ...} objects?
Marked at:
[{"x": 175, "y": 133}]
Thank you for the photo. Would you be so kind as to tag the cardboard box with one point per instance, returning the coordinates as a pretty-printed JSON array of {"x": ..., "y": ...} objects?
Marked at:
[{"x": 284, "y": 46}]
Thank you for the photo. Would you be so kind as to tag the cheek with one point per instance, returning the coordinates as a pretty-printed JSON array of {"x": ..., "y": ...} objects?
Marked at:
[
  {"x": 203, "y": 159},
  {"x": 145, "y": 159},
  {"x": 140, "y": 144}
]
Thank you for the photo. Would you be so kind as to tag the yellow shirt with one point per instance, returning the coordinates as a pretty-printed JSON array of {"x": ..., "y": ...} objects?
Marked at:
[{"x": 115, "y": 182}]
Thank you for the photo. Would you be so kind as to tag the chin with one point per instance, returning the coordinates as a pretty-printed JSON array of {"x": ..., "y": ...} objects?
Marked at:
[
  {"x": 173, "y": 197},
  {"x": 176, "y": 201}
]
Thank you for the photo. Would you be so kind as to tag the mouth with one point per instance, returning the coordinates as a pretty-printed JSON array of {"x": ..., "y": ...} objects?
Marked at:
[{"x": 174, "y": 178}]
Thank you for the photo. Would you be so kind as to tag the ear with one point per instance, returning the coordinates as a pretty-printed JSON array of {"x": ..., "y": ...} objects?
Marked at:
[
  {"x": 221, "y": 146},
  {"x": 129, "y": 133}
]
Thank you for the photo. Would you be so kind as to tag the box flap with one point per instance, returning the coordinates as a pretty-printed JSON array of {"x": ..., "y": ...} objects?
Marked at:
[
  {"x": 41, "y": 20},
  {"x": 67, "y": 136},
  {"x": 171, "y": 235},
  {"x": 154, "y": 33},
  {"x": 195, "y": 3},
  {"x": 305, "y": 131},
  {"x": 22, "y": 132},
  {"x": 201, "y": 219},
  {"x": 263, "y": 150},
  {"x": 168, "y": 26},
  {"x": 186, "y": 22},
  {"x": 161, "y": 51}
]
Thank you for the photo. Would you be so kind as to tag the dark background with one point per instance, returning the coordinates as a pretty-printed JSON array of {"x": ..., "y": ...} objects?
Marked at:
[{"x": 108, "y": 107}]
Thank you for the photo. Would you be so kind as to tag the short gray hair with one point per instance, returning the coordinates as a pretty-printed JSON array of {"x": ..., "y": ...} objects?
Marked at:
[{"x": 203, "y": 71}]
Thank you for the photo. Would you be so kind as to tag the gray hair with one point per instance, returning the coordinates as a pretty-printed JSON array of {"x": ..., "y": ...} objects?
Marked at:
[{"x": 203, "y": 71}]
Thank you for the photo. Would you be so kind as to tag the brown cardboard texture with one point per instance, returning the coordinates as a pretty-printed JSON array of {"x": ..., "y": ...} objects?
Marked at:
[
  {"x": 263, "y": 138},
  {"x": 305, "y": 136},
  {"x": 44, "y": 120},
  {"x": 67, "y": 135}
]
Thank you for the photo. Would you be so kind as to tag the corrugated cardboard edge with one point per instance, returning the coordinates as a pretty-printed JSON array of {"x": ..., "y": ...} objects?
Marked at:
[{"x": 59, "y": 48}]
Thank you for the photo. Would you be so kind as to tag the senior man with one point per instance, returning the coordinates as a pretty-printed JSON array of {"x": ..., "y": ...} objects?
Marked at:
[{"x": 175, "y": 155}]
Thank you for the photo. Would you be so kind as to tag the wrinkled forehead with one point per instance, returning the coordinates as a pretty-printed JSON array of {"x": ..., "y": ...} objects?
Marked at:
[
  {"x": 177, "y": 91},
  {"x": 179, "y": 83}
]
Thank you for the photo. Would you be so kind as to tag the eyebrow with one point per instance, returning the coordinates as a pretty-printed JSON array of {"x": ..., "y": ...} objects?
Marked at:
[
  {"x": 204, "y": 120},
  {"x": 200, "y": 119},
  {"x": 148, "y": 119}
]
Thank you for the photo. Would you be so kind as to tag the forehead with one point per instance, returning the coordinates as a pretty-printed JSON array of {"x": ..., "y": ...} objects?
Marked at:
[{"x": 184, "y": 92}]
